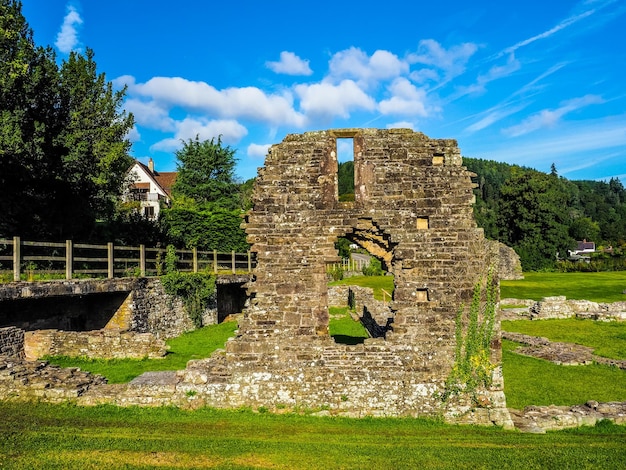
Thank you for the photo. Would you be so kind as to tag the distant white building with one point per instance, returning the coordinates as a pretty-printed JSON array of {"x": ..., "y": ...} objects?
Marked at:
[
  {"x": 151, "y": 188},
  {"x": 583, "y": 247}
]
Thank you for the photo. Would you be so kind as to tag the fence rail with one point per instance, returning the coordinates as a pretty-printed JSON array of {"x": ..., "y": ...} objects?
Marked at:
[{"x": 67, "y": 259}]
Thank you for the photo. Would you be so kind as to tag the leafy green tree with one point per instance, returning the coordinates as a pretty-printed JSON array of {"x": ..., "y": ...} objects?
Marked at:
[
  {"x": 207, "y": 201},
  {"x": 584, "y": 228},
  {"x": 533, "y": 217},
  {"x": 206, "y": 173},
  {"x": 63, "y": 146}
]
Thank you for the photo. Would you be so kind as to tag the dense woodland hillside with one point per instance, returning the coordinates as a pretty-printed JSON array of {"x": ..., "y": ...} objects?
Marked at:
[{"x": 542, "y": 214}]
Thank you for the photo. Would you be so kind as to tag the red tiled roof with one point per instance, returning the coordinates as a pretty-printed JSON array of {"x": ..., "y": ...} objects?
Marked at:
[{"x": 166, "y": 180}]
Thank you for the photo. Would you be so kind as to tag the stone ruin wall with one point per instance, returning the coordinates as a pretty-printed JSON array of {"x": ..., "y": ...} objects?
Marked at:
[
  {"x": 135, "y": 328},
  {"x": 413, "y": 210}
]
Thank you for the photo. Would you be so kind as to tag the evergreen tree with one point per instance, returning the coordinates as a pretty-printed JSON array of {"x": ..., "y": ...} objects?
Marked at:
[{"x": 63, "y": 146}]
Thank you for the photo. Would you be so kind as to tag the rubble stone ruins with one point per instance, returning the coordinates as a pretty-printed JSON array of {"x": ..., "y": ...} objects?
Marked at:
[{"x": 412, "y": 210}]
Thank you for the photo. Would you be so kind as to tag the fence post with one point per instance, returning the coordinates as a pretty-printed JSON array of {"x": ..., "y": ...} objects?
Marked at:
[
  {"x": 194, "y": 251},
  {"x": 233, "y": 261},
  {"x": 69, "y": 259},
  {"x": 16, "y": 258},
  {"x": 249, "y": 262},
  {"x": 111, "y": 272},
  {"x": 142, "y": 260},
  {"x": 215, "y": 261}
]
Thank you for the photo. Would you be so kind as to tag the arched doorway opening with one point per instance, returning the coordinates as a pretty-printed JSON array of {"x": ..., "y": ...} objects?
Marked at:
[{"x": 363, "y": 293}]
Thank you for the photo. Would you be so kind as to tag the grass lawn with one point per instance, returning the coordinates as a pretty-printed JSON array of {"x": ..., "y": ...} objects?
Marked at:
[
  {"x": 531, "y": 381},
  {"x": 343, "y": 328},
  {"x": 377, "y": 283},
  {"x": 66, "y": 437},
  {"x": 607, "y": 338},
  {"x": 196, "y": 344},
  {"x": 597, "y": 287}
]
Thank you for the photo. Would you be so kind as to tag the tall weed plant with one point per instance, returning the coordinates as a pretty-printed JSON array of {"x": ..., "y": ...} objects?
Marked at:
[{"x": 474, "y": 331}]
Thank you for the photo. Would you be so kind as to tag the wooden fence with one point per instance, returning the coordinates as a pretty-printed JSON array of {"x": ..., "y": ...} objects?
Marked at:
[{"x": 65, "y": 260}]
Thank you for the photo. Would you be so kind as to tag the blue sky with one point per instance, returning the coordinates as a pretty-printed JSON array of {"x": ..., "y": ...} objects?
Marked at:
[{"x": 530, "y": 83}]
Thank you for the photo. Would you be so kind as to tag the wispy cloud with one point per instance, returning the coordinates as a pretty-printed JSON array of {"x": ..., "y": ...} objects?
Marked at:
[
  {"x": 496, "y": 114},
  {"x": 546, "y": 34},
  {"x": 67, "y": 38},
  {"x": 548, "y": 117},
  {"x": 573, "y": 141},
  {"x": 290, "y": 64},
  {"x": 451, "y": 61}
]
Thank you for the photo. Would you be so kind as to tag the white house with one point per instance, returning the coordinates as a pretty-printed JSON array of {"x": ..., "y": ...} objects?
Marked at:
[{"x": 150, "y": 187}]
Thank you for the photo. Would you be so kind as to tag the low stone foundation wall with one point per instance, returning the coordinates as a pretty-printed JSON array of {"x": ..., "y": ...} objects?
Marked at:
[
  {"x": 560, "y": 307},
  {"x": 22, "y": 380},
  {"x": 539, "y": 419},
  {"x": 102, "y": 344},
  {"x": 12, "y": 342}
]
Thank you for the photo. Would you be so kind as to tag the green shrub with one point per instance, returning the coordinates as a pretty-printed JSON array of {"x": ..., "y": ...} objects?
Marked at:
[
  {"x": 195, "y": 290},
  {"x": 374, "y": 268}
]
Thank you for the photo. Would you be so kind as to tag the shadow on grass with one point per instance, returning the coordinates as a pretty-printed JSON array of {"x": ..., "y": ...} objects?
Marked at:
[{"x": 349, "y": 340}]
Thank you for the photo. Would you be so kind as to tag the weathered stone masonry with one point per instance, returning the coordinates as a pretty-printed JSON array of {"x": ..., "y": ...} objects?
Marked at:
[{"x": 413, "y": 210}]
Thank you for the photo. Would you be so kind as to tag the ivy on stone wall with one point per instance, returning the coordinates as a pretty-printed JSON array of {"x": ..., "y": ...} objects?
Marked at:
[
  {"x": 472, "y": 365},
  {"x": 195, "y": 289}
]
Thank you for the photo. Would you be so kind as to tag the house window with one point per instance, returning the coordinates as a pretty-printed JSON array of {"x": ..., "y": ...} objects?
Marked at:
[{"x": 148, "y": 212}]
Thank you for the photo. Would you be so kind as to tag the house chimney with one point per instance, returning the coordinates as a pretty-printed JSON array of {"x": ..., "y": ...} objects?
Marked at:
[{"x": 151, "y": 165}]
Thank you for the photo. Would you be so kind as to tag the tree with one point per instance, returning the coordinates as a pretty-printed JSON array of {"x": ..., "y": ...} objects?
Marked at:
[
  {"x": 533, "y": 218},
  {"x": 63, "y": 146},
  {"x": 207, "y": 203},
  {"x": 206, "y": 173},
  {"x": 345, "y": 179}
]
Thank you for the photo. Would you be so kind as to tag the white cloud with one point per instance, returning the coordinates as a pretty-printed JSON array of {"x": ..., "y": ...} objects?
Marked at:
[
  {"x": 355, "y": 64},
  {"x": 549, "y": 118},
  {"x": 258, "y": 150},
  {"x": 231, "y": 132},
  {"x": 424, "y": 75},
  {"x": 150, "y": 114},
  {"x": 326, "y": 100},
  {"x": 406, "y": 99},
  {"x": 67, "y": 38},
  {"x": 452, "y": 61},
  {"x": 494, "y": 73},
  {"x": 290, "y": 64},
  {"x": 237, "y": 103},
  {"x": 124, "y": 80},
  {"x": 493, "y": 115}
]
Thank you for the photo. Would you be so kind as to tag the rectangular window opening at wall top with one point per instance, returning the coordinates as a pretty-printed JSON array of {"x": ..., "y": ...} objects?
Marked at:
[{"x": 345, "y": 172}]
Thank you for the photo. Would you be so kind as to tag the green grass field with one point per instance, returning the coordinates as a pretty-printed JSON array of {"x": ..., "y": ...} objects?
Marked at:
[
  {"x": 196, "y": 344},
  {"x": 66, "y": 437},
  {"x": 597, "y": 287}
]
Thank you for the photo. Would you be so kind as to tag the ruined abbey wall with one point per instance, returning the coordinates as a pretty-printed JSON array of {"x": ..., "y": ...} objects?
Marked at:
[{"x": 413, "y": 210}]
